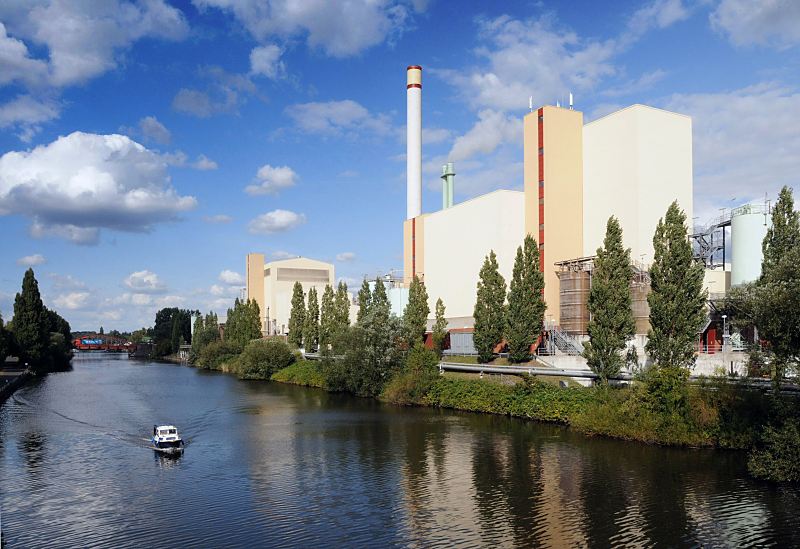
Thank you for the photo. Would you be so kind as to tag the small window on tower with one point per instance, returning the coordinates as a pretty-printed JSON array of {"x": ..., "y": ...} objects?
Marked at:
[{"x": 541, "y": 150}]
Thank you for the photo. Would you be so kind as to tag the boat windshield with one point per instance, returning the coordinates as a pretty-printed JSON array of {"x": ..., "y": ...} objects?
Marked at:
[{"x": 167, "y": 431}]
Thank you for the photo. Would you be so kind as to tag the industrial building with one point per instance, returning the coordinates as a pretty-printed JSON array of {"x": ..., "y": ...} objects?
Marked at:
[
  {"x": 632, "y": 163},
  {"x": 271, "y": 286}
]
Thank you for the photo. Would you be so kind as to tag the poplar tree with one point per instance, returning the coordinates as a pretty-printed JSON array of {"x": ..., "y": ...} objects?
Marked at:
[
  {"x": 29, "y": 323},
  {"x": 415, "y": 315},
  {"x": 364, "y": 301},
  {"x": 342, "y": 305},
  {"x": 311, "y": 326},
  {"x": 380, "y": 302},
  {"x": 490, "y": 311},
  {"x": 297, "y": 316},
  {"x": 327, "y": 317},
  {"x": 772, "y": 303},
  {"x": 612, "y": 323},
  {"x": 677, "y": 299},
  {"x": 782, "y": 238},
  {"x": 4, "y": 343},
  {"x": 439, "y": 332},
  {"x": 525, "y": 302}
]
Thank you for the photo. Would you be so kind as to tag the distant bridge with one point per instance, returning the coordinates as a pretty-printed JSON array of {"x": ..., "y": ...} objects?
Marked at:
[{"x": 102, "y": 343}]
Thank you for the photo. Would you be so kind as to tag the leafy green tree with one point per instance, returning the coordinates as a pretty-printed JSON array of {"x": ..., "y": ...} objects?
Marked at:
[
  {"x": 101, "y": 331},
  {"x": 263, "y": 357},
  {"x": 677, "y": 300},
  {"x": 415, "y": 315},
  {"x": 30, "y": 325},
  {"x": 490, "y": 310},
  {"x": 364, "y": 301},
  {"x": 439, "y": 332},
  {"x": 525, "y": 302},
  {"x": 311, "y": 327},
  {"x": 297, "y": 316},
  {"x": 342, "y": 301},
  {"x": 327, "y": 317},
  {"x": 612, "y": 323}
]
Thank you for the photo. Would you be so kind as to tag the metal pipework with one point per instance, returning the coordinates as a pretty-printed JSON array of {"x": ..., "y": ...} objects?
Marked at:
[{"x": 448, "y": 178}]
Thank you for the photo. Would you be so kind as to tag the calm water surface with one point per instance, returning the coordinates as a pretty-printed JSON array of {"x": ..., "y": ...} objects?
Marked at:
[{"x": 276, "y": 465}]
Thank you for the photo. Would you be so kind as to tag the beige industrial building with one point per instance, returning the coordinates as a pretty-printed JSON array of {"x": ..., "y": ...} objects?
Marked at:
[
  {"x": 636, "y": 161},
  {"x": 451, "y": 246},
  {"x": 271, "y": 285},
  {"x": 632, "y": 163}
]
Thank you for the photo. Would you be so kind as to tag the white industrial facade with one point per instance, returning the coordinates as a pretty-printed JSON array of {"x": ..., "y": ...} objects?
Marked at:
[
  {"x": 636, "y": 162},
  {"x": 273, "y": 291},
  {"x": 459, "y": 238}
]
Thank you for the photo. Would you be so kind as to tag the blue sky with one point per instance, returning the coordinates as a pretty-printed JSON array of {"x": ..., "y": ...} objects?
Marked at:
[{"x": 146, "y": 147}]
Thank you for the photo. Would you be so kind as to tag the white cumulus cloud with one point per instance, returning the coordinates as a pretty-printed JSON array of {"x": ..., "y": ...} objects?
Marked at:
[
  {"x": 72, "y": 300},
  {"x": 271, "y": 179},
  {"x": 145, "y": 282},
  {"x": 83, "y": 182},
  {"x": 276, "y": 221},
  {"x": 266, "y": 61},
  {"x": 768, "y": 22},
  {"x": 153, "y": 130},
  {"x": 231, "y": 278},
  {"x": 340, "y": 29},
  {"x": 82, "y": 38},
  {"x": 346, "y": 256},
  {"x": 218, "y": 218},
  {"x": 334, "y": 118},
  {"x": 31, "y": 260}
]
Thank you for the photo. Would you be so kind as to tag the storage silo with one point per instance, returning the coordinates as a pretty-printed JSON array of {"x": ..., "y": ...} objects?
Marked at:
[
  {"x": 574, "y": 289},
  {"x": 749, "y": 225}
]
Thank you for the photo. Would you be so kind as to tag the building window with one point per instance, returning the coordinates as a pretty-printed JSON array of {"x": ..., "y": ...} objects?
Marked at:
[
  {"x": 541, "y": 183},
  {"x": 541, "y": 226},
  {"x": 541, "y": 118},
  {"x": 541, "y": 151},
  {"x": 541, "y": 201}
]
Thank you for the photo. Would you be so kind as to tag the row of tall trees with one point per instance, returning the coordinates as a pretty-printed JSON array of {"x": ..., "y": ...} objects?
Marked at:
[
  {"x": 315, "y": 327},
  {"x": 39, "y": 336},
  {"x": 677, "y": 301},
  {"x": 243, "y": 323},
  {"x": 518, "y": 321}
]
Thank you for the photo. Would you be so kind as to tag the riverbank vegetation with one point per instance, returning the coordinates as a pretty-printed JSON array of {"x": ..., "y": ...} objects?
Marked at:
[
  {"x": 39, "y": 336},
  {"x": 387, "y": 357}
]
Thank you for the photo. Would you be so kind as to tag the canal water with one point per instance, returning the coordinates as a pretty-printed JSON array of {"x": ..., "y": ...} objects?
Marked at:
[{"x": 275, "y": 465}]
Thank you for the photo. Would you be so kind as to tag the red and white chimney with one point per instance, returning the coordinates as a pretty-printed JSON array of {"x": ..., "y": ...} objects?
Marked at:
[{"x": 413, "y": 141}]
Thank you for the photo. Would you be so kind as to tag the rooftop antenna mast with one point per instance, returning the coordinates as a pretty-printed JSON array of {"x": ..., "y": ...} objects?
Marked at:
[
  {"x": 530, "y": 103},
  {"x": 570, "y": 101}
]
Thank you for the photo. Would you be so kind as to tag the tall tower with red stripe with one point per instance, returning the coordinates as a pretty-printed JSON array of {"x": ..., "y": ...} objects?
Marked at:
[
  {"x": 413, "y": 228},
  {"x": 553, "y": 179}
]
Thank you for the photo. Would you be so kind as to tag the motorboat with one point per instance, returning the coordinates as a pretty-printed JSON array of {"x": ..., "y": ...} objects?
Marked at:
[{"x": 166, "y": 439}]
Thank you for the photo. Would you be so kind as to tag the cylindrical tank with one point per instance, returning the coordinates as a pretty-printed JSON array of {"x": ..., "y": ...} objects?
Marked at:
[
  {"x": 749, "y": 225},
  {"x": 640, "y": 307},
  {"x": 573, "y": 301}
]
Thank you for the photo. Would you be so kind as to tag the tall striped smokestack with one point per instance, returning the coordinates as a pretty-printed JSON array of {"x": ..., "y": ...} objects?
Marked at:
[{"x": 413, "y": 141}]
